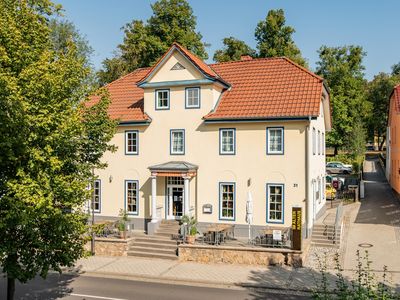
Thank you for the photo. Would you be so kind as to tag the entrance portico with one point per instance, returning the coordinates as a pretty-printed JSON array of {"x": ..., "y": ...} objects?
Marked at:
[{"x": 178, "y": 175}]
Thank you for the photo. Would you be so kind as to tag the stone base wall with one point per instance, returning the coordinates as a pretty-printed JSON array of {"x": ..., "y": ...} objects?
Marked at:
[
  {"x": 111, "y": 247},
  {"x": 245, "y": 255}
]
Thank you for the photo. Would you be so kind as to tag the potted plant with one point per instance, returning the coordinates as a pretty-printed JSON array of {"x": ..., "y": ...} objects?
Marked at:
[
  {"x": 190, "y": 223},
  {"x": 122, "y": 223}
]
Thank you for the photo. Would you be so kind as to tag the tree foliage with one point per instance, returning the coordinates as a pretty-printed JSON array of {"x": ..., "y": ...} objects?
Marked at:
[
  {"x": 274, "y": 38},
  {"x": 378, "y": 93},
  {"x": 342, "y": 68},
  {"x": 145, "y": 42},
  {"x": 233, "y": 49},
  {"x": 49, "y": 140}
]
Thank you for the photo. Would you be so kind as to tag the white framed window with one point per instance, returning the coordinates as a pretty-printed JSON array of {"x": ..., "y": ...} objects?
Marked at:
[
  {"x": 96, "y": 205},
  {"x": 192, "y": 97},
  {"x": 275, "y": 203},
  {"x": 227, "y": 201},
  {"x": 318, "y": 191},
  {"x": 319, "y": 142},
  {"x": 275, "y": 140},
  {"x": 132, "y": 142},
  {"x": 227, "y": 141},
  {"x": 131, "y": 197},
  {"x": 314, "y": 142},
  {"x": 323, "y": 143},
  {"x": 177, "y": 142},
  {"x": 162, "y": 99}
]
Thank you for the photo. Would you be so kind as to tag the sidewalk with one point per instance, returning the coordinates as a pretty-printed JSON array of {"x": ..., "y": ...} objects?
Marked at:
[{"x": 195, "y": 273}]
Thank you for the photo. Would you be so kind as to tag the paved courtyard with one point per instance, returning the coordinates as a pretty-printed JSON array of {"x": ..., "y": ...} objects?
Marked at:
[{"x": 375, "y": 224}]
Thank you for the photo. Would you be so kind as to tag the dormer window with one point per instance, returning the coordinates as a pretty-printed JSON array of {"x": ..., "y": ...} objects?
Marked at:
[
  {"x": 162, "y": 99},
  {"x": 192, "y": 97}
]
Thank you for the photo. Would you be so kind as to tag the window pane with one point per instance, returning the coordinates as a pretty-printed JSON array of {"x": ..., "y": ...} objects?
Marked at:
[
  {"x": 177, "y": 141},
  {"x": 227, "y": 200},
  {"x": 275, "y": 203}
]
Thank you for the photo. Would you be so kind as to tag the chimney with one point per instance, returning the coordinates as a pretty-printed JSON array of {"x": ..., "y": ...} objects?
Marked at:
[{"x": 246, "y": 57}]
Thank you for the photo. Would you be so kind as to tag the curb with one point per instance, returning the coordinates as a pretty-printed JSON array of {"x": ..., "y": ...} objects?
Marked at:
[{"x": 189, "y": 282}]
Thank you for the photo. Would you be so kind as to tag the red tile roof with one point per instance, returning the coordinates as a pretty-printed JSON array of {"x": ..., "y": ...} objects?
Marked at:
[
  {"x": 396, "y": 97},
  {"x": 260, "y": 88},
  {"x": 267, "y": 88},
  {"x": 126, "y": 98}
]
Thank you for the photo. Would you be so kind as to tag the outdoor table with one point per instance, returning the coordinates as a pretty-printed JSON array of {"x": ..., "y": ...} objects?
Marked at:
[{"x": 216, "y": 229}]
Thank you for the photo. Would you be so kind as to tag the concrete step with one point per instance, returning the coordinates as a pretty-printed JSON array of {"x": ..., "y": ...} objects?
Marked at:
[
  {"x": 169, "y": 222},
  {"x": 152, "y": 250},
  {"x": 152, "y": 255},
  {"x": 323, "y": 241},
  {"x": 156, "y": 239},
  {"x": 168, "y": 228},
  {"x": 172, "y": 230},
  {"x": 324, "y": 245},
  {"x": 155, "y": 245},
  {"x": 165, "y": 234},
  {"x": 325, "y": 234}
]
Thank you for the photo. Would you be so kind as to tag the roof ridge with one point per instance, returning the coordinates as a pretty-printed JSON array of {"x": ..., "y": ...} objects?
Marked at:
[
  {"x": 302, "y": 68},
  {"x": 245, "y": 61}
]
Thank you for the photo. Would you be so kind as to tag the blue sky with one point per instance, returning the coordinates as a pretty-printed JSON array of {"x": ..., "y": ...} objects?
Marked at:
[{"x": 374, "y": 25}]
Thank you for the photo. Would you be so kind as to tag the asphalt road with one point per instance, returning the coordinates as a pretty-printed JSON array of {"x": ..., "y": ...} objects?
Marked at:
[{"x": 72, "y": 287}]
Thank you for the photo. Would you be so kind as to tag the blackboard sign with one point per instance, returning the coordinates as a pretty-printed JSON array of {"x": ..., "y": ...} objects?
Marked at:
[{"x": 296, "y": 228}]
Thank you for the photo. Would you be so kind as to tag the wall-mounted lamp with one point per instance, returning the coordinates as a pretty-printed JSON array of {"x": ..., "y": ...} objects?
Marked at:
[{"x": 110, "y": 178}]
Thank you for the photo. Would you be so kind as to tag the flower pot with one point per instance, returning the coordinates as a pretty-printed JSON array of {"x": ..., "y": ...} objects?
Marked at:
[
  {"x": 190, "y": 239},
  {"x": 122, "y": 234}
]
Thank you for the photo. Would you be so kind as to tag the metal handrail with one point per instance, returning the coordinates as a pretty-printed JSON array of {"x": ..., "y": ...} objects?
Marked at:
[{"x": 338, "y": 219}]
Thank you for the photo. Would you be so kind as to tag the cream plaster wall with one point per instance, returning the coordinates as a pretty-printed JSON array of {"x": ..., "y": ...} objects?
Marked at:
[
  {"x": 202, "y": 149},
  {"x": 166, "y": 74}
]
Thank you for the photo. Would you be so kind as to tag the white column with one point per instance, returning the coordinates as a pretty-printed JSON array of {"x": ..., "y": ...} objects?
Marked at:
[
  {"x": 186, "y": 195},
  {"x": 154, "y": 198},
  {"x": 170, "y": 207}
]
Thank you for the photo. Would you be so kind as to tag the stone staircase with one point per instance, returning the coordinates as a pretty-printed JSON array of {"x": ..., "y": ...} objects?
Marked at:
[
  {"x": 159, "y": 245},
  {"x": 323, "y": 236}
]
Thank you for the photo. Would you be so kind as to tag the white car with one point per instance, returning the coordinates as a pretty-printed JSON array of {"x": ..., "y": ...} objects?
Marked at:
[{"x": 336, "y": 167}]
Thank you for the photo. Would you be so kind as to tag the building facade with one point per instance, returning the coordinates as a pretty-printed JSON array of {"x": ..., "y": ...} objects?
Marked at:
[
  {"x": 393, "y": 142},
  {"x": 196, "y": 139}
]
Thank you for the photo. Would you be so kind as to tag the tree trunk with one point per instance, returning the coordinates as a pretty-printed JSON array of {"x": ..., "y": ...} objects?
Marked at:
[
  {"x": 10, "y": 288},
  {"x": 381, "y": 144},
  {"x": 336, "y": 151}
]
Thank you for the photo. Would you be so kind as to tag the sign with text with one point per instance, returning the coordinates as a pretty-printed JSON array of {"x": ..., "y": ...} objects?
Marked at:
[
  {"x": 277, "y": 235},
  {"x": 296, "y": 228}
]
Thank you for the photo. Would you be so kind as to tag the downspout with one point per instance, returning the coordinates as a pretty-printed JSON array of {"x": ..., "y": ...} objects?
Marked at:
[{"x": 308, "y": 166}]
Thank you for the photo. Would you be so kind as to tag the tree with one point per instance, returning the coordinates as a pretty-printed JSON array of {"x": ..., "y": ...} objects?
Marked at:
[
  {"x": 145, "y": 42},
  {"x": 50, "y": 142},
  {"x": 342, "y": 69},
  {"x": 64, "y": 31},
  {"x": 396, "y": 69},
  {"x": 274, "y": 38},
  {"x": 378, "y": 93},
  {"x": 233, "y": 49}
]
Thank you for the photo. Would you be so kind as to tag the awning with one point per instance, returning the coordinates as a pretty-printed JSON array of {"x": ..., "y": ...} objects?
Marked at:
[{"x": 174, "y": 168}]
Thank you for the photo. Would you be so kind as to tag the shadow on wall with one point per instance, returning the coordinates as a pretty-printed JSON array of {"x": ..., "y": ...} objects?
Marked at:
[
  {"x": 55, "y": 286},
  {"x": 380, "y": 205}
]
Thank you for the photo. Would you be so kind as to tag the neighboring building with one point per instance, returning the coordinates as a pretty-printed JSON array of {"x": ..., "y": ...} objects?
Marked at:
[
  {"x": 392, "y": 141},
  {"x": 195, "y": 138}
]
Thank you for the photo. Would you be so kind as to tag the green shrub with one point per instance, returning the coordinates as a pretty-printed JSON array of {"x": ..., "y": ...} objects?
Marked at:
[{"x": 364, "y": 285}]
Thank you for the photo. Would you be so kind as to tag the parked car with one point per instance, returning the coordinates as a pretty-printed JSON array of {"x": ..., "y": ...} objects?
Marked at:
[
  {"x": 336, "y": 167},
  {"x": 330, "y": 192},
  {"x": 329, "y": 179}
]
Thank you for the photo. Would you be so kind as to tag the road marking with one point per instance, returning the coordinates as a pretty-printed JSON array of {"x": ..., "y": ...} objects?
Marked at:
[{"x": 96, "y": 297}]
